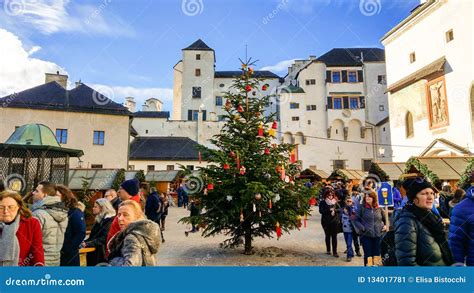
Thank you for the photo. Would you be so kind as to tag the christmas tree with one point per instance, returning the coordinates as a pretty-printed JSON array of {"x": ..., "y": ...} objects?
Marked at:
[{"x": 250, "y": 188}]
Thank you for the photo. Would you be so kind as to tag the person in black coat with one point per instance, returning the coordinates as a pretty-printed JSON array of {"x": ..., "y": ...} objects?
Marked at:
[
  {"x": 420, "y": 238},
  {"x": 75, "y": 230},
  {"x": 104, "y": 214},
  {"x": 328, "y": 208},
  {"x": 154, "y": 206}
]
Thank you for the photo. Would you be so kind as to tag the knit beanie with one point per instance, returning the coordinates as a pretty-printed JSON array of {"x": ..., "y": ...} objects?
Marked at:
[
  {"x": 131, "y": 186},
  {"x": 415, "y": 185}
]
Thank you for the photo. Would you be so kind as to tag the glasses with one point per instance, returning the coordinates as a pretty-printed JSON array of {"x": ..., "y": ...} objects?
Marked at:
[{"x": 8, "y": 208}]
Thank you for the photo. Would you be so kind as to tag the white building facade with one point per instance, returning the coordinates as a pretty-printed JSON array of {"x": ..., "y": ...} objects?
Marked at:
[
  {"x": 430, "y": 61},
  {"x": 335, "y": 109}
]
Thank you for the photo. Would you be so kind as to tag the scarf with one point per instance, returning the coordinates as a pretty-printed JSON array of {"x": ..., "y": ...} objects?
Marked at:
[
  {"x": 330, "y": 202},
  {"x": 434, "y": 224},
  {"x": 9, "y": 245}
]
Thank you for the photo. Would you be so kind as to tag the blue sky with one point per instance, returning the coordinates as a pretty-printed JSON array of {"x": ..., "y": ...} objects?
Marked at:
[{"x": 131, "y": 46}]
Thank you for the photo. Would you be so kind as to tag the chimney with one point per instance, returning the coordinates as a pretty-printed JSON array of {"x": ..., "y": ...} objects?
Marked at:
[
  {"x": 130, "y": 104},
  {"x": 78, "y": 83},
  {"x": 312, "y": 57},
  {"x": 61, "y": 79}
]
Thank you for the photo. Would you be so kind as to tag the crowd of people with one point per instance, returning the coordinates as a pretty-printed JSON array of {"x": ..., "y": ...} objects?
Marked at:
[
  {"x": 52, "y": 229},
  {"x": 413, "y": 233}
]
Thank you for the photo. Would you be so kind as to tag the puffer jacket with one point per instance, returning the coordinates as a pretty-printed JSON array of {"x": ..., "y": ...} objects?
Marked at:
[
  {"x": 461, "y": 230},
  {"x": 52, "y": 215},
  {"x": 414, "y": 244},
  {"x": 369, "y": 221},
  {"x": 137, "y": 245}
]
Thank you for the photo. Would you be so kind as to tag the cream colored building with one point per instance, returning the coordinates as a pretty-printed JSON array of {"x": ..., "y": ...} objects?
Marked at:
[
  {"x": 430, "y": 74},
  {"x": 81, "y": 118},
  {"x": 335, "y": 109}
]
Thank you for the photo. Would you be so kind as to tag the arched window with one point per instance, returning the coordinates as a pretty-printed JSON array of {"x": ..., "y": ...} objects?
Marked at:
[{"x": 409, "y": 125}]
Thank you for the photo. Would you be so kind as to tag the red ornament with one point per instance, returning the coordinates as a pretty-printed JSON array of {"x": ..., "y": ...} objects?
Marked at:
[
  {"x": 264, "y": 87},
  {"x": 226, "y": 167},
  {"x": 248, "y": 88},
  {"x": 228, "y": 105},
  {"x": 260, "y": 132},
  {"x": 267, "y": 151},
  {"x": 278, "y": 230},
  {"x": 274, "y": 125},
  {"x": 250, "y": 70},
  {"x": 242, "y": 170},
  {"x": 232, "y": 154},
  {"x": 210, "y": 186},
  {"x": 240, "y": 109},
  {"x": 257, "y": 114}
]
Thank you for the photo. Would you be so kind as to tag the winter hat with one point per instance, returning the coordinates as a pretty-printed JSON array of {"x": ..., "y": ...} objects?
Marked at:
[
  {"x": 130, "y": 186},
  {"x": 415, "y": 185}
]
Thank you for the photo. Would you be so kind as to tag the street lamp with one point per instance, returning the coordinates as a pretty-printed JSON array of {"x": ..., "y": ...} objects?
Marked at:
[{"x": 382, "y": 152}]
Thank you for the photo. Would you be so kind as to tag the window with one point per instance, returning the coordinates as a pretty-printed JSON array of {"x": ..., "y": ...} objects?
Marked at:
[
  {"x": 352, "y": 76},
  {"x": 366, "y": 165},
  {"x": 195, "y": 115},
  {"x": 409, "y": 125},
  {"x": 131, "y": 167},
  {"x": 310, "y": 81},
  {"x": 309, "y": 122},
  {"x": 146, "y": 131},
  {"x": 150, "y": 168},
  {"x": 382, "y": 79},
  {"x": 294, "y": 105},
  {"x": 381, "y": 108},
  {"x": 197, "y": 92},
  {"x": 221, "y": 85},
  {"x": 339, "y": 164},
  {"x": 354, "y": 103},
  {"x": 218, "y": 101},
  {"x": 449, "y": 36},
  {"x": 96, "y": 166},
  {"x": 310, "y": 107},
  {"x": 197, "y": 72},
  {"x": 190, "y": 167},
  {"x": 295, "y": 118},
  {"x": 337, "y": 103},
  {"x": 336, "y": 76},
  {"x": 61, "y": 136},
  {"x": 412, "y": 57},
  {"x": 169, "y": 167},
  {"x": 198, "y": 56},
  {"x": 99, "y": 137}
]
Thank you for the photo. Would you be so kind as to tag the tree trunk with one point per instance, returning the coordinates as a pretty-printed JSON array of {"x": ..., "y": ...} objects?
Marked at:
[{"x": 248, "y": 240}]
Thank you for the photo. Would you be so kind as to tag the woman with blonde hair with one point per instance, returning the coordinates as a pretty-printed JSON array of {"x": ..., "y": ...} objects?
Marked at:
[
  {"x": 370, "y": 225},
  {"x": 138, "y": 241},
  {"x": 104, "y": 213},
  {"x": 21, "y": 239}
]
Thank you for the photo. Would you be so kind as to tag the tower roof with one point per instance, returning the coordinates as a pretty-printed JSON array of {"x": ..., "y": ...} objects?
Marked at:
[{"x": 199, "y": 45}]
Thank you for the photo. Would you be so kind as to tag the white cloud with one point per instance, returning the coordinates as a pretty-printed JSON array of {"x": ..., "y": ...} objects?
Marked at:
[
  {"x": 52, "y": 16},
  {"x": 281, "y": 66},
  {"x": 119, "y": 93},
  {"x": 20, "y": 71}
]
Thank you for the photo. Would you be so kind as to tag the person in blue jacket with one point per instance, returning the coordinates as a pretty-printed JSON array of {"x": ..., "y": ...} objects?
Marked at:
[
  {"x": 461, "y": 230},
  {"x": 75, "y": 230}
]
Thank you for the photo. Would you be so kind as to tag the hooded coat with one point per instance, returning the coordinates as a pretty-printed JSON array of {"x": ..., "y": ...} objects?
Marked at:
[
  {"x": 461, "y": 230},
  {"x": 136, "y": 245},
  {"x": 53, "y": 218}
]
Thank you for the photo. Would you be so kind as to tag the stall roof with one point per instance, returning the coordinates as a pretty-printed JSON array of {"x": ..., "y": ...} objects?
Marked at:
[
  {"x": 320, "y": 173},
  {"x": 130, "y": 175},
  {"x": 99, "y": 179},
  {"x": 447, "y": 168},
  {"x": 393, "y": 170},
  {"x": 162, "y": 176},
  {"x": 354, "y": 174}
]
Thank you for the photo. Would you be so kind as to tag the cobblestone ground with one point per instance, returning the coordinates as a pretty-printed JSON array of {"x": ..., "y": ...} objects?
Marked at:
[{"x": 300, "y": 248}]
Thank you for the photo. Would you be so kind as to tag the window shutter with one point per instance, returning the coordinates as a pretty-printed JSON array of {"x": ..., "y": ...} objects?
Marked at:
[
  {"x": 362, "y": 102},
  {"x": 203, "y": 115},
  {"x": 329, "y": 106},
  {"x": 328, "y": 75},
  {"x": 345, "y": 102},
  {"x": 190, "y": 115},
  {"x": 360, "y": 76},
  {"x": 344, "y": 76}
]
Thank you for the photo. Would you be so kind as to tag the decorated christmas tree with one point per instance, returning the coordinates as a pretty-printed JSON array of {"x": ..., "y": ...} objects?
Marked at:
[{"x": 249, "y": 189}]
